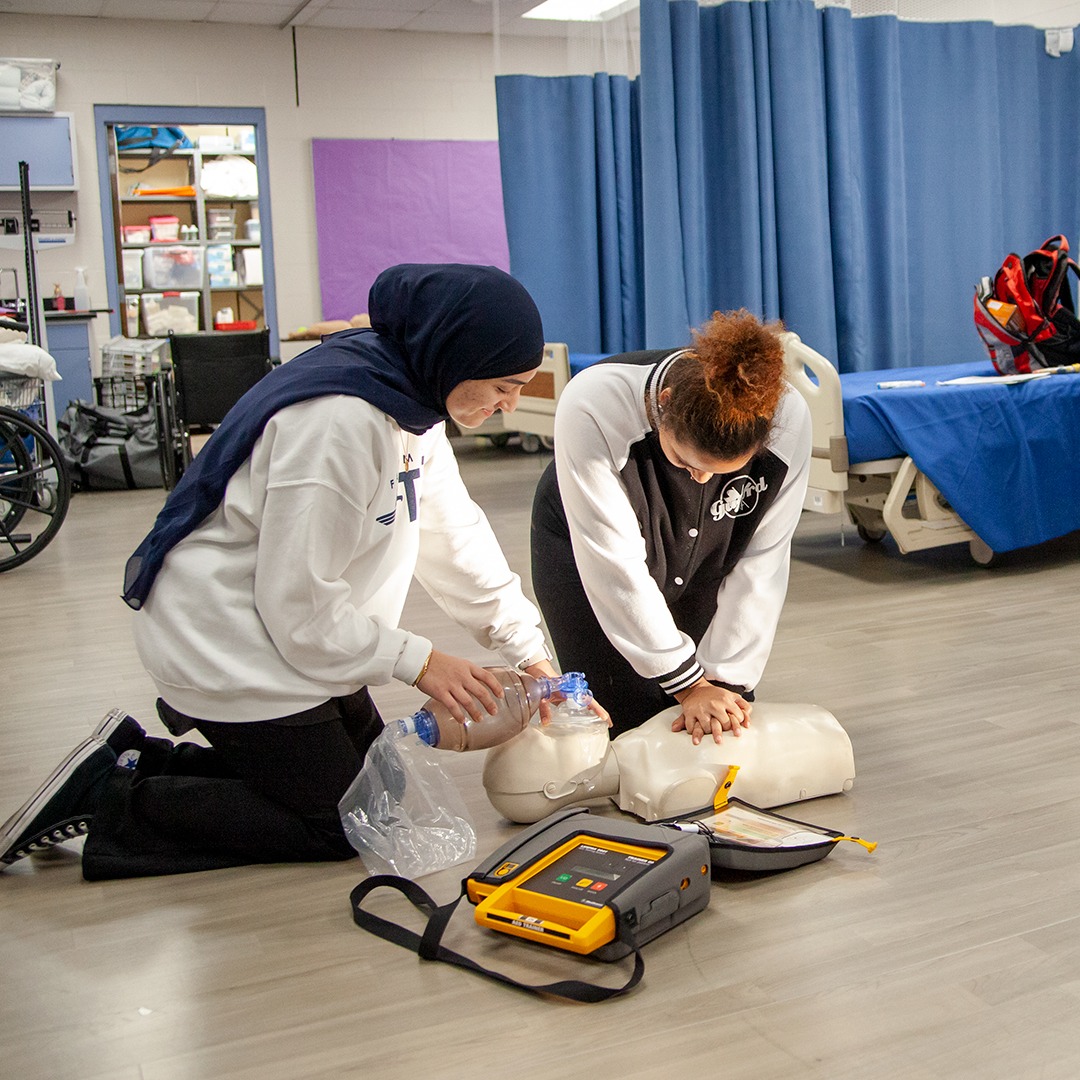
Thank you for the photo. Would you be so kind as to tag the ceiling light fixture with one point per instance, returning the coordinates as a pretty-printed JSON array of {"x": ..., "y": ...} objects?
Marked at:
[{"x": 580, "y": 10}]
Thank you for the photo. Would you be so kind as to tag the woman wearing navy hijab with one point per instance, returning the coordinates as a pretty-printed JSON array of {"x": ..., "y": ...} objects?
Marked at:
[{"x": 270, "y": 589}]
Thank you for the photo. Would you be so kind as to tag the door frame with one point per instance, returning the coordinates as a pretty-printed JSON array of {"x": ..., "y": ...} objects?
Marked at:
[{"x": 178, "y": 116}]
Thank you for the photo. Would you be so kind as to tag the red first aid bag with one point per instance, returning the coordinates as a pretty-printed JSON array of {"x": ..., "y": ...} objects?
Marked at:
[{"x": 1025, "y": 315}]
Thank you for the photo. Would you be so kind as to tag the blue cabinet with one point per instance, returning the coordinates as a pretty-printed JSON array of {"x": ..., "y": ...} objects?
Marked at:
[{"x": 69, "y": 344}]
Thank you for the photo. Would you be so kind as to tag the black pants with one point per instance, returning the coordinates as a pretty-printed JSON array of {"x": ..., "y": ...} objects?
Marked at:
[
  {"x": 261, "y": 792},
  {"x": 579, "y": 642}
]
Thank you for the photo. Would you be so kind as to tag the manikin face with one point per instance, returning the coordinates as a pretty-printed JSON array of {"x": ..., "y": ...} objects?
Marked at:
[
  {"x": 471, "y": 402},
  {"x": 701, "y": 466}
]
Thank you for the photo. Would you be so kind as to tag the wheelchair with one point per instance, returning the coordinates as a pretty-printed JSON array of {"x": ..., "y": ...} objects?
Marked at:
[
  {"x": 35, "y": 482},
  {"x": 209, "y": 372}
]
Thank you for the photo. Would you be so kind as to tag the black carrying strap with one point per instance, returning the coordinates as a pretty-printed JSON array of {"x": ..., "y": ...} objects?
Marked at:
[
  {"x": 427, "y": 946},
  {"x": 157, "y": 151}
]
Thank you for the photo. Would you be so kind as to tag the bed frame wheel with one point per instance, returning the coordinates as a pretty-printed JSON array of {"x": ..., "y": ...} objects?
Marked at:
[
  {"x": 530, "y": 443},
  {"x": 981, "y": 552},
  {"x": 868, "y": 535}
]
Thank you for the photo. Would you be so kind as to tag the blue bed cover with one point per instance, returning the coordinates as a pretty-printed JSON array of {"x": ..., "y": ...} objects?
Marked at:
[{"x": 1006, "y": 457}]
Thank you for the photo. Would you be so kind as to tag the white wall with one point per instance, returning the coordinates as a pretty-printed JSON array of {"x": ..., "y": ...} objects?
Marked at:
[{"x": 353, "y": 84}]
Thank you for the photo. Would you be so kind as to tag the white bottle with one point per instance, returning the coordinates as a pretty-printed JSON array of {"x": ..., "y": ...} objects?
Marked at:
[
  {"x": 522, "y": 694},
  {"x": 82, "y": 293}
]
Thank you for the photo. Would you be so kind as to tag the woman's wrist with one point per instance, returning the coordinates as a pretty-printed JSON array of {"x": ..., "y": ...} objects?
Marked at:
[
  {"x": 681, "y": 695},
  {"x": 423, "y": 670},
  {"x": 540, "y": 668},
  {"x": 535, "y": 660}
]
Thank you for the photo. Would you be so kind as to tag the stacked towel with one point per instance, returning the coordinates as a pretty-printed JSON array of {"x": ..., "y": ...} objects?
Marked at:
[
  {"x": 28, "y": 85},
  {"x": 10, "y": 78}
]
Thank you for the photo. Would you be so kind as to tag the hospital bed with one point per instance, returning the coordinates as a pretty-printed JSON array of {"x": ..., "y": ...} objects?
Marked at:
[
  {"x": 879, "y": 496},
  {"x": 967, "y": 456}
]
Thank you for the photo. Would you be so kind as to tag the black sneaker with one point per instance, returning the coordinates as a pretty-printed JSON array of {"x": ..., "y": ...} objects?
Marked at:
[
  {"x": 120, "y": 731},
  {"x": 62, "y": 808}
]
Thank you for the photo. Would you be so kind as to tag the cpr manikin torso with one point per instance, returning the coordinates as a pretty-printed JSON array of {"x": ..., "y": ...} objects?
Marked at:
[{"x": 790, "y": 752}]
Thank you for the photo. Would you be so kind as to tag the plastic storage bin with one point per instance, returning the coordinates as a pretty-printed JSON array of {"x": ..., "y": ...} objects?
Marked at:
[
  {"x": 221, "y": 223},
  {"x": 173, "y": 267},
  {"x": 132, "y": 356},
  {"x": 251, "y": 267},
  {"x": 175, "y": 311},
  {"x": 133, "y": 269},
  {"x": 136, "y": 234},
  {"x": 217, "y": 144},
  {"x": 164, "y": 227},
  {"x": 220, "y": 266},
  {"x": 127, "y": 392}
]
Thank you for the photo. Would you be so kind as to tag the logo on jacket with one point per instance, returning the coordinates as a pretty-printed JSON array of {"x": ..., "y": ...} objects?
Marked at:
[
  {"x": 739, "y": 497},
  {"x": 404, "y": 487}
]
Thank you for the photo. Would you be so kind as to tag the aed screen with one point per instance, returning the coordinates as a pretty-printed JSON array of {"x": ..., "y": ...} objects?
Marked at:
[{"x": 590, "y": 874}]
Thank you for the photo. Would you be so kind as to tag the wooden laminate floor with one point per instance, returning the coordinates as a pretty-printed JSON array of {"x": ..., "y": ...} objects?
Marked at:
[{"x": 951, "y": 952}]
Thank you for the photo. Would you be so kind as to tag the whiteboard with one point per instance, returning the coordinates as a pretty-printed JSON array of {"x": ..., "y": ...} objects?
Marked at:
[{"x": 46, "y": 143}]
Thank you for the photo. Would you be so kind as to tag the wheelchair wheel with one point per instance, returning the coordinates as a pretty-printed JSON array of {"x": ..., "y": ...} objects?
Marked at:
[{"x": 35, "y": 488}]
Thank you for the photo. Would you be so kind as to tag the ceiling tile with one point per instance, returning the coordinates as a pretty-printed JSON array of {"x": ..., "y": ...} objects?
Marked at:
[
  {"x": 253, "y": 12},
  {"x": 171, "y": 10},
  {"x": 475, "y": 16}
]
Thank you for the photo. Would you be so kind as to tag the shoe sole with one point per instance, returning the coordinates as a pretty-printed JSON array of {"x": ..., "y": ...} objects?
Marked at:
[{"x": 21, "y": 820}]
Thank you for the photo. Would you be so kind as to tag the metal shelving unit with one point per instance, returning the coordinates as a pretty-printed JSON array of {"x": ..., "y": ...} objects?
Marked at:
[{"x": 181, "y": 169}]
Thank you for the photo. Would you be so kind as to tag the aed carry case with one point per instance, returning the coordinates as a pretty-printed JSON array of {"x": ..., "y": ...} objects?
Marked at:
[
  {"x": 746, "y": 838},
  {"x": 595, "y": 886}
]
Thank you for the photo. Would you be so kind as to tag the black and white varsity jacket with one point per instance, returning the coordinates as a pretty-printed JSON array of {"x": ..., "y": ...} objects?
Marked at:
[{"x": 685, "y": 579}]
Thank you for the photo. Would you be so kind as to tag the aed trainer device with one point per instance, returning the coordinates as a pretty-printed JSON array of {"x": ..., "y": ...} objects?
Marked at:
[{"x": 590, "y": 885}]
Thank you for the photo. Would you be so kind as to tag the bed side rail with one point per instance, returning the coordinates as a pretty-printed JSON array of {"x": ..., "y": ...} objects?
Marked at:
[{"x": 819, "y": 384}]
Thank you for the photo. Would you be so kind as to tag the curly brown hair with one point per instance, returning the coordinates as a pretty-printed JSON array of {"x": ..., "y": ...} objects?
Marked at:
[{"x": 725, "y": 391}]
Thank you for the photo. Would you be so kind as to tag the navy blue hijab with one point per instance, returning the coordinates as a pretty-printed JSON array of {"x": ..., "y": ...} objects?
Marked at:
[{"x": 433, "y": 325}]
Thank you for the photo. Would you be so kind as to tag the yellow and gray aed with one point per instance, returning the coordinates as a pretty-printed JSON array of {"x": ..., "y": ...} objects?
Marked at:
[{"x": 592, "y": 886}]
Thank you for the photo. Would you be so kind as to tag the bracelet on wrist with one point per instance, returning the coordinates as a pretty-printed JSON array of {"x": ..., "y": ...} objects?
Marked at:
[{"x": 423, "y": 670}]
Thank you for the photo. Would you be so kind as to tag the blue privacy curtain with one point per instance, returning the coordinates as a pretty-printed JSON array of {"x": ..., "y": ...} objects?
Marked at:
[
  {"x": 570, "y": 149},
  {"x": 854, "y": 177}
]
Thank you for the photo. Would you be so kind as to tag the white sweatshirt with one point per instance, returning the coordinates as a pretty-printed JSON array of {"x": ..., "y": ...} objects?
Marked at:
[
  {"x": 685, "y": 579},
  {"x": 290, "y": 593}
]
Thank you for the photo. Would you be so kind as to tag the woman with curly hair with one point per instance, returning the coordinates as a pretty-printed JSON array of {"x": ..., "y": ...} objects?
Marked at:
[{"x": 661, "y": 532}]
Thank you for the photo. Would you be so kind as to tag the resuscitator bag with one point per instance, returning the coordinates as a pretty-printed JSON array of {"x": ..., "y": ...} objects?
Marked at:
[{"x": 403, "y": 813}]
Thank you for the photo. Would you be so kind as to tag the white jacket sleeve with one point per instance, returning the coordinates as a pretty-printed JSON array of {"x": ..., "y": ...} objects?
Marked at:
[
  {"x": 737, "y": 643},
  {"x": 463, "y": 568}
]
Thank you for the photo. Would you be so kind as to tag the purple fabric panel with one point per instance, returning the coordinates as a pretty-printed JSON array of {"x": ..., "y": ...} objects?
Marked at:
[{"x": 384, "y": 201}]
